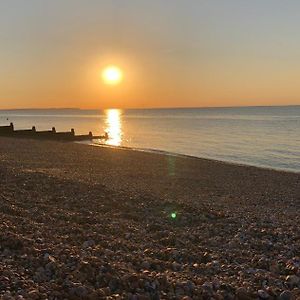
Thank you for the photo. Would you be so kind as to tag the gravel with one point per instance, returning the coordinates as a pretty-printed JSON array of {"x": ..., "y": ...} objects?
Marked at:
[{"x": 82, "y": 222}]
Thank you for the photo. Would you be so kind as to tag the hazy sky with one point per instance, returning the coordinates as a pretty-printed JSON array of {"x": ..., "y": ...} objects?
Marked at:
[{"x": 172, "y": 52}]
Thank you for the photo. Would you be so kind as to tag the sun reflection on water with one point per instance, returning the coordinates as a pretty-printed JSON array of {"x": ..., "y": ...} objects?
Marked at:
[{"x": 113, "y": 125}]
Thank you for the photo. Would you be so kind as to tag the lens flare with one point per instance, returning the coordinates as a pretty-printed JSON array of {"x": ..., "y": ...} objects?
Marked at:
[{"x": 173, "y": 215}]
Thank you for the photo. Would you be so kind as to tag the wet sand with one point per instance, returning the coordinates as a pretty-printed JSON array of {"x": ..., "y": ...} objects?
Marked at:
[{"x": 82, "y": 222}]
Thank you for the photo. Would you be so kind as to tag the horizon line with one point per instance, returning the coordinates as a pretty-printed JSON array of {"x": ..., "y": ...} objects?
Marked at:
[{"x": 141, "y": 108}]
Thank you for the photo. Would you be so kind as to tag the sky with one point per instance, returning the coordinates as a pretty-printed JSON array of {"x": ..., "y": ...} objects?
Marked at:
[{"x": 173, "y": 53}]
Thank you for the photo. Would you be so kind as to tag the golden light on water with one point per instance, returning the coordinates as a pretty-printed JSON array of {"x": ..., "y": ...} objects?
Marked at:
[
  {"x": 113, "y": 126},
  {"x": 112, "y": 75}
]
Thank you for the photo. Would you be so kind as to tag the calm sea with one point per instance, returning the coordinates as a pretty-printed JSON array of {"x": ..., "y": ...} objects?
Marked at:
[{"x": 259, "y": 136}]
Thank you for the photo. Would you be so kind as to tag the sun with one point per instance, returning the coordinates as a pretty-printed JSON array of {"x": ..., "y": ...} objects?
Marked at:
[{"x": 112, "y": 75}]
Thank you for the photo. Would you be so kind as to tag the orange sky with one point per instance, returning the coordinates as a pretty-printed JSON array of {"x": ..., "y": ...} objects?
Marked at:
[{"x": 173, "y": 54}]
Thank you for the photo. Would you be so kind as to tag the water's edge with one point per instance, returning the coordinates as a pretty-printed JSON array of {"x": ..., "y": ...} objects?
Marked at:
[
  {"x": 167, "y": 153},
  {"x": 265, "y": 137}
]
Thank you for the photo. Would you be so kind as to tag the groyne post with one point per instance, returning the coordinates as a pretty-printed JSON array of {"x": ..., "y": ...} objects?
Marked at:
[{"x": 47, "y": 134}]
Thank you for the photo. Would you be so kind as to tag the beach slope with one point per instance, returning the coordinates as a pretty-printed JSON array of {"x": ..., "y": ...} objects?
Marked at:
[{"x": 83, "y": 222}]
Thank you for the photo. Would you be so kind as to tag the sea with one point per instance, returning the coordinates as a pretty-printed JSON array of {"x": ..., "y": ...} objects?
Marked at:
[{"x": 266, "y": 137}]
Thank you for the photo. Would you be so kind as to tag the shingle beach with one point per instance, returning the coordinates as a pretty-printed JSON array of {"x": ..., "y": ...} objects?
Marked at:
[{"x": 83, "y": 222}]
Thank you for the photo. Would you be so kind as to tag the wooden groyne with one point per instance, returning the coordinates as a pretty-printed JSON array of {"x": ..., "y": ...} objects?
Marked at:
[{"x": 9, "y": 131}]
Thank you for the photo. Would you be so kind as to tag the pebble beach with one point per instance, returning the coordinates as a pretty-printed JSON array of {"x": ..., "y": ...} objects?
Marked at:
[{"x": 86, "y": 222}]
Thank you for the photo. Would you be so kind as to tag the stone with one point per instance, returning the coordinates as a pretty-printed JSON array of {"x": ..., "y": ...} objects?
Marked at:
[
  {"x": 80, "y": 291},
  {"x": 274, "y": 267},
  {"x": 6, "y": 252},
  {"x": 145, "y": 265},
  {"x": 49, "y": 258},
  {"x": 88, "y": 243},
  {"x": 34, "y": 295},
  {"x": 7, "y": 296},
  {"x": 263, "y": 294},
  {"x": 176, "y": 266},
  {"x": 285, "y": 295},
  {"x": 242, "y": 294},
  {"x": 293, "y": 280}
]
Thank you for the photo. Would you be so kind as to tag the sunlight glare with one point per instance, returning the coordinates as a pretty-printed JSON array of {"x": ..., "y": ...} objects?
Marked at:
[
  {"x": 113, "y": 127},
  {"x": 112, "y": 75}
]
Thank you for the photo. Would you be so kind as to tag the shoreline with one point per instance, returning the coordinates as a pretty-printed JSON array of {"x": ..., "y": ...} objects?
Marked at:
[
  {"x": 91, "y": 223},
  {"x": 168, "y": 153}
]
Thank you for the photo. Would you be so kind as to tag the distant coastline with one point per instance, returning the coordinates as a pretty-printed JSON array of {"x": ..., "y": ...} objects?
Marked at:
[{"x": 76, "y": 109}]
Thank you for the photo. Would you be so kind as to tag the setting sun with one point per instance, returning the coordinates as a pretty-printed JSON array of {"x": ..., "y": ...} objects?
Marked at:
[{"x": 112, "y": 75}]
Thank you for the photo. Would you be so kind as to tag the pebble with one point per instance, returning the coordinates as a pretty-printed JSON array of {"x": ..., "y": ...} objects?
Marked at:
[
  {"x": 242, "y": 294},
  {"x": 33, "y": 295},
  {"x": 285, "y": 295},
  {"x": 263, "y": 294},
  {"x": 83, "y": 231},
  {"x": 293, "y": 280},
  {"x": 89, "y": 243}
]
